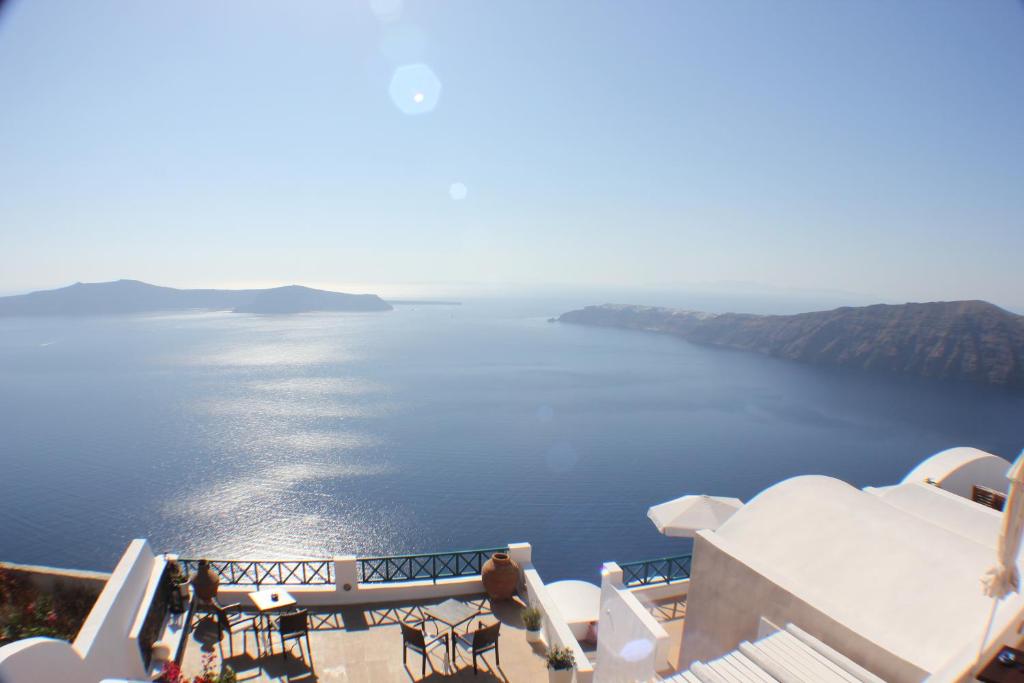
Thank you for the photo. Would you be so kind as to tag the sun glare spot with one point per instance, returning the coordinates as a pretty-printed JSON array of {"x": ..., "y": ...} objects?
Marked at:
[{"x": 415, "y": 89}]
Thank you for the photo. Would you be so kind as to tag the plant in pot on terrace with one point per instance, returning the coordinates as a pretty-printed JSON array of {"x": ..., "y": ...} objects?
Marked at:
[
  {"x": 532, "y": 620},
  {"x": 179, "y": 582},
  {"x": 560, "y": 664}
]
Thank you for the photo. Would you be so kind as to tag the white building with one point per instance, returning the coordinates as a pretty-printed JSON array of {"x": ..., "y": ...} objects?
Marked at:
[{"x": 811, "y": 580}]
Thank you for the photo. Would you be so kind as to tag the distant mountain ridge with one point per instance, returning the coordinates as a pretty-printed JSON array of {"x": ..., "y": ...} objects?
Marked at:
[
  {"x": 133, "y": 296},
  {"x": 965, "y": 340}
]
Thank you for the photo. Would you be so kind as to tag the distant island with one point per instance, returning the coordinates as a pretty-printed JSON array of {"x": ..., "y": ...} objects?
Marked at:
[
  {"x": 964, "y": 340},
  {"x": 132, "y": 296}
]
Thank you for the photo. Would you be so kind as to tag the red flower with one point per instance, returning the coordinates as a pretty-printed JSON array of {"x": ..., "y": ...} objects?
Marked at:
[{"x": 171, "y": 673}]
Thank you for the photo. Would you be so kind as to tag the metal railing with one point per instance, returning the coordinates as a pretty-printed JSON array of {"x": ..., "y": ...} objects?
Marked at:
[
  {"x": 431, "y": 566},
  {"x": 259, "y": 572},
  {"x": 660, "y": 570}
]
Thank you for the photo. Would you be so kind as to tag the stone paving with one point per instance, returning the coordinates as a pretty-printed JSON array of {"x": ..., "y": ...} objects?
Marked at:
[{"x": 364, "y": 644}]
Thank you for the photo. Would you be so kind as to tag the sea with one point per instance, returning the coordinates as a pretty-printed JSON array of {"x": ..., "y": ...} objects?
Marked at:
[{"x": 425, "y": 429}]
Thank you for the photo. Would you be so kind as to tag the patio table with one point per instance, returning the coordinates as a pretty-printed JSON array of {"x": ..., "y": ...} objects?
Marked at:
[
  {"x": 452, "y": 612},
  {"x": 267, "y": 601}
]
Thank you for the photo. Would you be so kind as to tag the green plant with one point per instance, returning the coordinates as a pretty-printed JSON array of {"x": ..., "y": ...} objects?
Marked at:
[
  {"x": 26, "y": 612},
  {"x": 175, "y": 573},
  {"x": 532, "y": 618},
  {"x": 560, "y": 658}
]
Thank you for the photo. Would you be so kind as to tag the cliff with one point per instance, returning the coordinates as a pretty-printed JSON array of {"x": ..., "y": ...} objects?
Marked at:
[{"x": 964, "y": 340}]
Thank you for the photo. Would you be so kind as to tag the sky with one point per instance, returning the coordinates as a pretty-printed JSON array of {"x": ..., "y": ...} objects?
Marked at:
[{"x": 862, "y": 146}]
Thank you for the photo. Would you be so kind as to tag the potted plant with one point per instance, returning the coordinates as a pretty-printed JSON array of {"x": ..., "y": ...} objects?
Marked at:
[
  {"x": 532, "y": 619},
  {"x": 178, "y": 580},
  {"x": 560, "y": 665}
]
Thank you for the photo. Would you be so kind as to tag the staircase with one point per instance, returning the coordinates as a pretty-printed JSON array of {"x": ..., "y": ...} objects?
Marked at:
[{"x": 789, "y": 655}]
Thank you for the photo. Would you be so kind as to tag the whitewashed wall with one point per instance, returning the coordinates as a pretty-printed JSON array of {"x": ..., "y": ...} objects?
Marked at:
[
  {"x": 555, "y": 630},
  {"x": 103, "y": 648},
  {"x": 631, "y": 644}
]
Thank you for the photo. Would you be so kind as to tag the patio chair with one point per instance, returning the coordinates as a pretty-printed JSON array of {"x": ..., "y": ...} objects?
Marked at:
[
  {"x": 231, "y": 618},
  {"x": 294, "y": 626},
  {"x": 478, "y": 642},
  {"x": 416, "y": 639}
]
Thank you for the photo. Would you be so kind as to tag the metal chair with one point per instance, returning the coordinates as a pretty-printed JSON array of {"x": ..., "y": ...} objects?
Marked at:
[
  {"x": 415, "y": 639},
  {"x": 294, "y": 626},
  {"x": 484, "y": 639},
  {"x": 230, "y": 618}
]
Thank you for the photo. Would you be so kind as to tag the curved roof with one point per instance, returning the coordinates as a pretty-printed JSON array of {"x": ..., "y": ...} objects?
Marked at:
[
  {"x": 952, "y": 460},
  {"x": 902, "y": 581}
]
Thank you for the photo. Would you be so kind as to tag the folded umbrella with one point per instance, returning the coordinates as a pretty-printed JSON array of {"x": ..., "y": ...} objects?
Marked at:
[{"x": 687, "y": 515}]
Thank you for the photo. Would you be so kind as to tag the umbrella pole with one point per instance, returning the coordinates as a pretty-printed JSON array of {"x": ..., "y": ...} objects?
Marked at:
[{"x": 984, "y": 639}]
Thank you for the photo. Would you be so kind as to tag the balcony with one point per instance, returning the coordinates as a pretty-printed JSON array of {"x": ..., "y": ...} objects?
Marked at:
[{"x": 364, "y": 643}]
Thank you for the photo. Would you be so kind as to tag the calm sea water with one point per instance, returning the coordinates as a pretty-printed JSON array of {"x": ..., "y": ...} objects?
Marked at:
[{"x": 424, "y": 429}]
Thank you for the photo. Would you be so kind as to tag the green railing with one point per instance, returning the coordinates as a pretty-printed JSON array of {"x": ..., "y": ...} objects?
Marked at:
[
  {"x": 259, "y": 572},
  {"x": 660, "y": 570},
  {"x": 431, "y": 566}
]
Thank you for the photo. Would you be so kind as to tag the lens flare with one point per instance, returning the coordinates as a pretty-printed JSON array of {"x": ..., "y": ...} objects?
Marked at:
[
  {"x": 415, "y": 89},
  {"x": 458, "y": 191}
]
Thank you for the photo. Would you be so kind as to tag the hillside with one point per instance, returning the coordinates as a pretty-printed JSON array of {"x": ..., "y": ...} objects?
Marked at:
[
  {"x": 964, "y": 340},
  {"x": 132, "y": 296}
]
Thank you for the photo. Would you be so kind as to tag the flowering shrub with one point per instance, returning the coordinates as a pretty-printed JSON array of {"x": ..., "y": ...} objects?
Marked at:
[
  {"x": 26, "y": 613},
  {"x": 171, "y": 673}
]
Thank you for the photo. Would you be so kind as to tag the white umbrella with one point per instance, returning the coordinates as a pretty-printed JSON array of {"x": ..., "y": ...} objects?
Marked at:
[
  {"x": 1004, "y": 578},
  {"x": 687, "y": 515}
]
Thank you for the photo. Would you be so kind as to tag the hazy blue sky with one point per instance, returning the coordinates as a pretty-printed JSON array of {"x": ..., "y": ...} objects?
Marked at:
[{"x": 868, "y": 146}]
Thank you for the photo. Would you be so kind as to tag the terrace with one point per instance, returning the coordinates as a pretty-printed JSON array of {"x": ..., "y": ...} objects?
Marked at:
[
  {"x": 145, "y": 618},
  {"x": 364, "y": 643}
]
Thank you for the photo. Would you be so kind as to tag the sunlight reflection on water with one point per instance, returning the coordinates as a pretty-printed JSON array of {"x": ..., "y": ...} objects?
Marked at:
[{"x": 422, "y": 429}]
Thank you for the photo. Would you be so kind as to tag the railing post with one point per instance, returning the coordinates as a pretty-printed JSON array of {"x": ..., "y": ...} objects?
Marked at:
[
  {"x": 611, "y": 573},
  {"x": 346, "y": 574},
  {"x": 521, "y": 553}
]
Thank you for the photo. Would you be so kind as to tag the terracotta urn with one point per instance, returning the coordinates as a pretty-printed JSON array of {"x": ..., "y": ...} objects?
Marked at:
[
  {"x": 205, "y": 582},
  {"x": 500, "y": 576}
]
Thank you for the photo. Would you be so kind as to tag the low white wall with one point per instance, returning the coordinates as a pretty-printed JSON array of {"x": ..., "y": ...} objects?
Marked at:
[
  {"x": 631, "y": 644},
  {"x": 105, "y": 640},
  {"x": 555, "y": 630},
  {"x": 42, "y": 660},
  {"x": 656, "y": 592},
  {"x": 104, "y": 647}
]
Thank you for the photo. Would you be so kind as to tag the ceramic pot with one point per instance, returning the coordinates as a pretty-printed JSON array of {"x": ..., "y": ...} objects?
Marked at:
[
  {"x": 560, "y": 675},
  {"x": 500, "y": 576},
  {"x": 533, "y": 636},
  {"x": 205, "y": 582}
]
